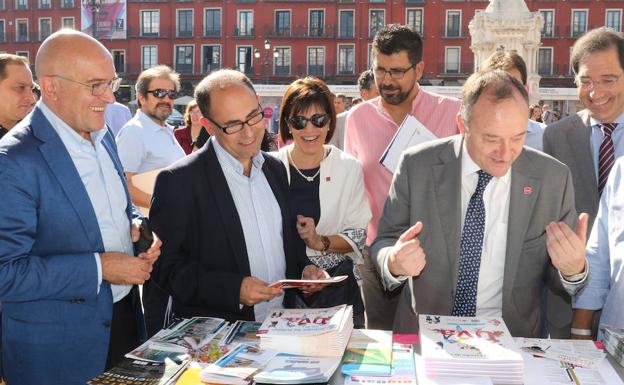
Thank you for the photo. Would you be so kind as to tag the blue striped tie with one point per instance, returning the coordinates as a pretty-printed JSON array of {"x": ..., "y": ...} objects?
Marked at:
[{"x": 465, "y": 304}]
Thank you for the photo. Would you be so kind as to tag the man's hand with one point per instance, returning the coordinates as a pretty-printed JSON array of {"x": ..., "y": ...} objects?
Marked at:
[
  {"x": 307, "y": 231},
  {"x": 152, "y": 254},
  {"x": 407, "y": 256},
  {"x": 313, "y": 272},
  {"x": 253, "y": 291},
  {"x": 123, "y": 269},
  {"x": 566, "y": 248}
]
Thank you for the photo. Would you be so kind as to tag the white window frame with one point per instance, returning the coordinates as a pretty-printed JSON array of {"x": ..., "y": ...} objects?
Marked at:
[
  {"x": 338, "y": 46},
  {"x": 537, "y": 61},
  {"x": 220, "y": 22},
  {"x": 192, "y": 22},
  {"x": 39, "y": 27},
  {"x": 369, "y": 55},
  {"x": 143, "y": 66},
  {"x": 614, "y": 10},
  {"x": 125, "y": 64},
  {"x": 324, "y": 57},
  {"x": 17, "y": 22},
  {"x": 175, "y": 61},
  {"x": 49, "y": 4},
  {"x": 446, "y": 27},
  {"x": 141, "y": 29},
  {"x": 290, "y": 12},
  {"x": 422, "y": 18},
  {"x": 289, "y": 62},
  {"x": 446, "y": 57},
  {"x": 236, "y": 63},
  {"x": 553, "y": 20},
  {"x": 202, "y": 64},
  {"x": 21, "y": 9},
  {"x": 253, "y": 20},
  {"x": 310, "y": 21},
  {"x": 572, "y": 11},
  {"x": 20, "y": 52},
  {"x": 368, "y": 26},
  {"x": 3, "y": 30},
  {"x": 340, "y": 22},
  {"x": 72, "y": 18}
]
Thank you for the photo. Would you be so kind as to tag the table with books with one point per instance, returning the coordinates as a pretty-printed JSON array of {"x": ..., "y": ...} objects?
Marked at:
[{"x": 305, "y": 346}]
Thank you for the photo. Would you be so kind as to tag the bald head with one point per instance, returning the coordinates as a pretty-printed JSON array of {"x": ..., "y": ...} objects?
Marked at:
[{"x": 65, "y": 50}]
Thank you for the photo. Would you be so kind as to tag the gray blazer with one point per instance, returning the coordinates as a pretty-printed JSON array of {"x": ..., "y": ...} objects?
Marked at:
[
  {"x": 427, "y": 188},
  {"x": 568, "y": 141}
]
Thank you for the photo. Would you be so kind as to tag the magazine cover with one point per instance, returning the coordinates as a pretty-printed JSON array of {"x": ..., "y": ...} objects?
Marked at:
[
  {"x": 369, "y": 353},
  {"x": 302, "y": 321},
  {"x": 194, "y": 333},
  {"x": 132, "y": 372},
  {"x": 242, "y": 362},
  {"x": 466, "y": 338}
]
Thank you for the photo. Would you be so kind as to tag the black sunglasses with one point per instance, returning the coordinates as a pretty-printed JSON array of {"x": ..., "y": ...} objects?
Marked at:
[
  {"x": 160, "y": 93},
  {"x": 299, "y": 122}
]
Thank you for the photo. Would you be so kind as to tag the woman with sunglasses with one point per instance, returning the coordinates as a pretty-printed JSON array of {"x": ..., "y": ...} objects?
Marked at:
[
  {"x": 193, "y": 135},
  {"x": 327, "y": 198}
]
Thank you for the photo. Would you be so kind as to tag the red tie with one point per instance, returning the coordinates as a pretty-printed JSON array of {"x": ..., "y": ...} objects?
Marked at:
[{"x": 606, "y": 155}]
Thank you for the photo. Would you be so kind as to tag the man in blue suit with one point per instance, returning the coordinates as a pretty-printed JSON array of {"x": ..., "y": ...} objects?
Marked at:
[{"x": 66, "y": 261}]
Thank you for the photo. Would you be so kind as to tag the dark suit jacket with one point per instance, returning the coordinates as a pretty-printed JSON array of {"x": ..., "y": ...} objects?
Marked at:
[
  {"x": 204, "y": 258},
  {"x": 427, "y": 188}
]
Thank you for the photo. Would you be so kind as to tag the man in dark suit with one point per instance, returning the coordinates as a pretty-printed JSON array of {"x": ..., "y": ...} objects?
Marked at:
[
  {"x": 222, "y": 213},
  {"x": 589, "y": 141},
  {"x": 66, "y": 261},
  {"x": 479, "y": 205}
]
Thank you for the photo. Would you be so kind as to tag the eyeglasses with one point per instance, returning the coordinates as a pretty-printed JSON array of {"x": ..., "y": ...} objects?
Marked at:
[
  {"x": 395, "y": 73},
  {"x": 238, "y": 126},
  {"x": 160, "y": 93},
  {"x": 606, "y": 82},
  {"x": 99, "y": 88},
  {"x": 299, "y": 122}
]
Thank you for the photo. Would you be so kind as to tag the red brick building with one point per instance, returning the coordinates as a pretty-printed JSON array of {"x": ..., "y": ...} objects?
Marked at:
[{"x": 327, "y": 38}]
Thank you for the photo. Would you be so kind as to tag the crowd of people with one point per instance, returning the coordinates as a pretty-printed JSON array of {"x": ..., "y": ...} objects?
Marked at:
[{"x": 490, "y": 219}]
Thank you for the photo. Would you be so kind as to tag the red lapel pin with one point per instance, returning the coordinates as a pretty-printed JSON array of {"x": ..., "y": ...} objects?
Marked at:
[
  {"x": 328, "y": 179},
  {"x": 527, "y": 190}
]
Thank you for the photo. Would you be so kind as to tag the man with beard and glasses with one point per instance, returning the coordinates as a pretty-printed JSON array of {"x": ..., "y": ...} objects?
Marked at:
[
  {"x": 397, "y": 66},
  {"x": 146, "y": 142}
]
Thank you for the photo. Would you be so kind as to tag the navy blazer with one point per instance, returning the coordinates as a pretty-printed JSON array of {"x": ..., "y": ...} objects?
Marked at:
[
  {"x": 55, "y": 323},
  {"x": 204, "y": 257}
]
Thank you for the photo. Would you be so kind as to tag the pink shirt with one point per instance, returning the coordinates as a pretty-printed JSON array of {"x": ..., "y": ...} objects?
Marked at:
[{"x": 369, "y": 129}]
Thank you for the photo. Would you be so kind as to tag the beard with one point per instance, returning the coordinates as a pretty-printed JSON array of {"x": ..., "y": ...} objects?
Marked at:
[
  {"x": 394, "y": 99},
  {"x": 159, "y": 114}
]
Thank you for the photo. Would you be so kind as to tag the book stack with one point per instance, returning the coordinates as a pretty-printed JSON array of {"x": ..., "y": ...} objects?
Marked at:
[
  {"x": 369, "y": 353},
  {"x": 613, "y": 339},
  {"x": 307, "y": 332},
  {"x": 403, "y": 370},
  {"x": 469, "y": 347}
]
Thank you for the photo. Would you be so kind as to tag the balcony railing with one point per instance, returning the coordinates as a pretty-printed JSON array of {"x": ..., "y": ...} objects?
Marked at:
[
  {"x": 246, "y": 33},
  {"x": 454, "y": 33},
  {"x": 212, "y": 32},
  {"x": 302, "y": 31}
]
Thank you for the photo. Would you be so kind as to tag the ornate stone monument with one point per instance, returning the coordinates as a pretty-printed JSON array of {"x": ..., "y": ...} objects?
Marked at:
[{"x": 509, "y": 25}]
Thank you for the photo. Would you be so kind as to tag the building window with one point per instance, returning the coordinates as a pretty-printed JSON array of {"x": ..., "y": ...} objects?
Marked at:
[
  {"x": 579, "y": 22},
  {"x": 212, "y": 22},
  {"x": 185, "y": 22},
  {"x": 45, "y": 28},
  {"x": 414, "y": 19},
  {"x": 544, "y": 61},
  {"x": 149, "y": 56},
  {"x": 119, "y": 59},
  {"x": 45, "y": 4},
  {"x": 282, "y": 23},
  {"x": 451, "y": 60},
  {"x": 211, "y": 58},
  {"x": 25, "y": 54},
  {"x": 369, "y": 62},
  {"x": 21, "y": 4},
  {"x": 316, "y": 61},
  {"x": 67, "y": 3},
  {"x": 150, "y": 23},
  {"x": 245, "y": 23},
  {"x": 21, "y": 30},
  {"x": 376, "y": 21},
  {"x": 346, "y": 60},
  {"x": 317, "y": 22},
  {"x": 68, "y": 22},
  {"x": 453, "y": 23},
  {"x": 2, "y": 5},
  {"x": 282, "y": 61},
  {"x": 184, "y": 59},
  {"x": 2, "y": 31},
  {"x": 613, "y": 19},
  {"x": 347, "y": 26},
  {"x": 243, "y": 59},
  {"x": 549, "y": 22}
]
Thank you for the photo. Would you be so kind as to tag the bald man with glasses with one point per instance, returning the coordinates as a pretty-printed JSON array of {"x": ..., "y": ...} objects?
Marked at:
[{"x": 223, "y": 214}]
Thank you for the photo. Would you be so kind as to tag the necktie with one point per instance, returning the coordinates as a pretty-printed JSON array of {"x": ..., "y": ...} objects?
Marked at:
[
  {"x": 606, "y": 155},
  {"x": 465, "y": 304}
]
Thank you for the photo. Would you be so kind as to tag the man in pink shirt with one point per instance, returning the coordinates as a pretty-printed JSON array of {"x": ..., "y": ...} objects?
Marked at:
[{"x": 397, "y": 66}]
